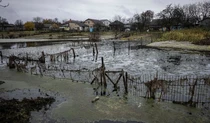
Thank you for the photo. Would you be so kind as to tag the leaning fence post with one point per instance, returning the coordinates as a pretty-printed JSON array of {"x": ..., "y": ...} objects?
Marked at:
[
  {"x": 73, "y": 52},
  {"x": 1, "y": 57},
  {"x": 42, "y": 58}
]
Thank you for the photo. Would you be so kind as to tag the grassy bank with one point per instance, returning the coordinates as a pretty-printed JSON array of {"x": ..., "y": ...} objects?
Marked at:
[
  {"x": 40, "y": 34},
  {"x": 148, "y": 36},
  {"x": 195, "y": 35}
]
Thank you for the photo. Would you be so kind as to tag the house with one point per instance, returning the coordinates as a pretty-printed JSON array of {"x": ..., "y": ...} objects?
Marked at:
[
  {"x": 64, "y": 27},
  {"x": 155, "y": 24},
  {"x": 117, "y": 26},
  {"x": 106, "y": 22},
  {"x": 47, "y": 27},
  {"x": 127, "y": 27},
  {"x": 205, "y": 23},
  {"x": 7, "y": 27},
  {"x": 92, "y": 22},
  {"x": 77, "y": 26}
]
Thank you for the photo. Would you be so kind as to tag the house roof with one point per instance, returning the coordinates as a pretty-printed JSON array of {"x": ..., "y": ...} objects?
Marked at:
[
  {"x": 116, "y": 23},
  {"x": 205, "y": 22},
  {"x": 7, "y": 25},
  {"x": 78, "y": 23},
  {"x": 105, "y": 20}
]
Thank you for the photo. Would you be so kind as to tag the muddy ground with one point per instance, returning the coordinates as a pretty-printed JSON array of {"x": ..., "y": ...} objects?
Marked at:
[{"x": 73, "y": 102}]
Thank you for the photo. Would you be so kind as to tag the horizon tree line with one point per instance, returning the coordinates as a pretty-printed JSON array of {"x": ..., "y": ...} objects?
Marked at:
[{"x": 187, "y": 15}]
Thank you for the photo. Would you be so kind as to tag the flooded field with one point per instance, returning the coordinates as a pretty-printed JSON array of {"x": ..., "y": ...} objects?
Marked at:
[
  {"x": 130, "y": 56},
  {"x": 73, "y": 100}
]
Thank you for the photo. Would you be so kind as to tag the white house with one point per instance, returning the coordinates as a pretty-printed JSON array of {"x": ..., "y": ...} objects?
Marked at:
[{"x": 105, "y": 22}]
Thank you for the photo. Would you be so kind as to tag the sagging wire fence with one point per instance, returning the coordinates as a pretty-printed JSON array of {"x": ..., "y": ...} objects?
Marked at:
[{"x": 188, "y": 90}]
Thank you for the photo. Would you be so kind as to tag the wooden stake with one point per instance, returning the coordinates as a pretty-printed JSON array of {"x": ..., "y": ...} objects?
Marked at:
[
  {"x": 126, "y": 83},
  {"x": 73, "y": 52},
  {"x": 96, "y": 49},
  {"x": 1, "y": 57},
  {"x": 93, "y": 51}
]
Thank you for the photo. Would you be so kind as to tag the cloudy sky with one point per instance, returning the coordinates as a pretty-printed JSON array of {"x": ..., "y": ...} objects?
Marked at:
[{"x": 81, "y": 9}]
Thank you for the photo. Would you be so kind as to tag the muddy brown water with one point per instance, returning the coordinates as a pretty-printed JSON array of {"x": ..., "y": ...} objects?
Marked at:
[{"x": 73, "y": 99}]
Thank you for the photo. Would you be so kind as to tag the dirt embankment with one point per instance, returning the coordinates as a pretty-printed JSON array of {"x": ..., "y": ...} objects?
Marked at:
[{"x": 180, "y": 45}]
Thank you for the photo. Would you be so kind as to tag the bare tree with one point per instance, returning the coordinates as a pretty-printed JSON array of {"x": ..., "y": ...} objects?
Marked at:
[
  {"x": 137, "y": 22},
  {"x": 166, "y": 16},
  {"x": 3, "y": 22},
  {"x": 19, "y": 23},
  {"x": 37, "y": 19},
  {"x": 119, "y": 18},
  {"x": 146, "y": 18},
  {"x": 142, "y": 21},
  {"x": 38, "y": 23},
  {"x": 205, "y": 9},
  {"x": 3, "y": 5},
  {"x": 65, "y": 20},
  {"x": 178, "y": 15},
  {"x": 130, "y": 20},
  {"x": 56, "y": 20}
]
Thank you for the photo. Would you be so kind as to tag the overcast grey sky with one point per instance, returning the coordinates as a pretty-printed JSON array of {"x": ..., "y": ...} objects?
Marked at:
[{"x": 81, "y": 9}]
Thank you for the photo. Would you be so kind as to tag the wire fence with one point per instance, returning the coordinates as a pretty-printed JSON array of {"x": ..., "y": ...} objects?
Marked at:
[{"x": 187, "y": 90}]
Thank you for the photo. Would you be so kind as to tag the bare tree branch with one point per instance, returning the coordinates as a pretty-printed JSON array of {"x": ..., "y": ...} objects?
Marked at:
[{"x": 3, "y": 5}]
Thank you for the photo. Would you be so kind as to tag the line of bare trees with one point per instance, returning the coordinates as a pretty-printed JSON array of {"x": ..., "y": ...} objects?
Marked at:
[{"x": 188, "y": 15}]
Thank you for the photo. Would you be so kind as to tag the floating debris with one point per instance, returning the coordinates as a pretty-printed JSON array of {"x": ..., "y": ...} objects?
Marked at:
[{"x": 95, "y": 99}]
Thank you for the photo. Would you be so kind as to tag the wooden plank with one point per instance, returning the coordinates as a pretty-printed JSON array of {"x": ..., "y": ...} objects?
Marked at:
[
  {"x": 93, "y": 81},
  {"x": 118, "y": 79},
  {"x": 113, "y": 71},
  {"x": 109, "y": 79}
]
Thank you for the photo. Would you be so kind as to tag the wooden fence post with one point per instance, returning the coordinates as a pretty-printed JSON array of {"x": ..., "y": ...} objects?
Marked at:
[
  {"x": 103, "y": 73},
  {"x": 42, "y": 58},
  {"x": 93, "y": 51},
  {"x": 96, "y": 49},
  {"x": 126, "y": 83},
  {"x": 1, "y": 57}
]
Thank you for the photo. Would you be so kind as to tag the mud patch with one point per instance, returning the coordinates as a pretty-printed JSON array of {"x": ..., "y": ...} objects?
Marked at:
[
  {"x": 2, "y": 82},
  {"x": 20, "y": 111},
  {"x": 24, "y": 105}
]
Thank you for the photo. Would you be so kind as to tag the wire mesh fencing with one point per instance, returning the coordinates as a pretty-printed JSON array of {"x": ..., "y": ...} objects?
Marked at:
[{"x": 187, "y": 90}]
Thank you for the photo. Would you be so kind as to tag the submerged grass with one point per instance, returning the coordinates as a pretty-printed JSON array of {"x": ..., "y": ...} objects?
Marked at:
[{"x": 195, "y": 35}]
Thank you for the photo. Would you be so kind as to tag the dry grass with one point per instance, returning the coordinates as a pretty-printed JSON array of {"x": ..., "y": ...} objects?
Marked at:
[{"x": 194, "y": 35}]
